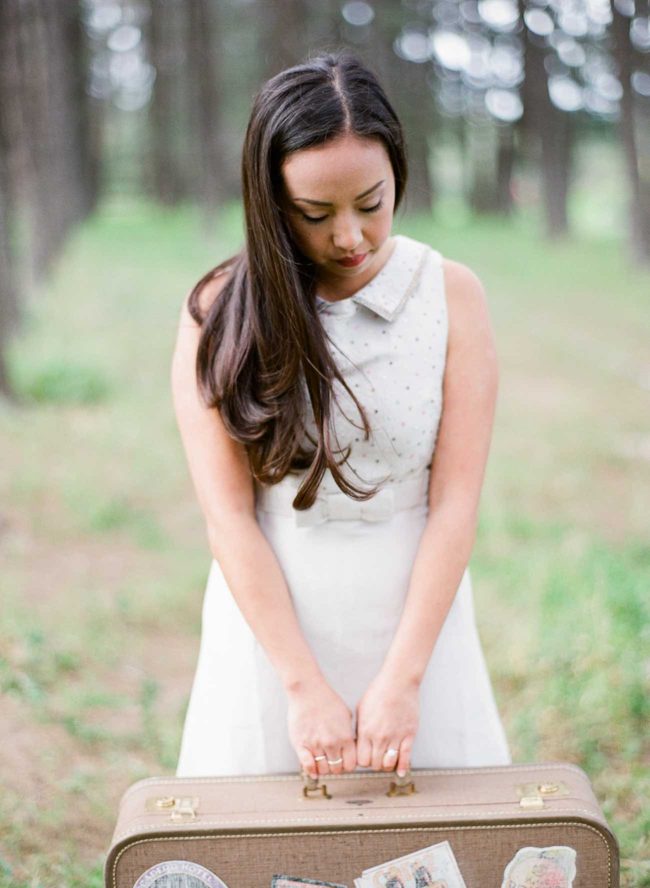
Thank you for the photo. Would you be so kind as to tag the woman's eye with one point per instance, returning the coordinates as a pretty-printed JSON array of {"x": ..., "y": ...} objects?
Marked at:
[{"x": 314, "y": 220}]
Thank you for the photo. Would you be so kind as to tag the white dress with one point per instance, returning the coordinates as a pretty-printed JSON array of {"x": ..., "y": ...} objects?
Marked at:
[{"x": 347, "y": 564}]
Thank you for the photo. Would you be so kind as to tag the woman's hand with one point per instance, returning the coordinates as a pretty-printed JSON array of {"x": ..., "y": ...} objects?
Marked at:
[
  {"x": 320, "y": 724},
  {"x": 387, "y": 719}
]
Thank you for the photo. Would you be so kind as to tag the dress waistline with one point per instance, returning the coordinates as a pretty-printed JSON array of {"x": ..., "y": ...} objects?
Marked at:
[{"x": 338, "y": 506}]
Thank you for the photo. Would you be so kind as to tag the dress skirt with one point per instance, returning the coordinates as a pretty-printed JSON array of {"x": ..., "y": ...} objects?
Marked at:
[{"x": 348, "y": 581}]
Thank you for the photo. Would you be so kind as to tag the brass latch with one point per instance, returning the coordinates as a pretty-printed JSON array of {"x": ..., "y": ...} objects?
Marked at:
[
  {"x": 180, "y": 808},
  {"x": 401, "y": 785},
  {"x": 555, "y": 789},
  {"x": 312, "y": 787}
]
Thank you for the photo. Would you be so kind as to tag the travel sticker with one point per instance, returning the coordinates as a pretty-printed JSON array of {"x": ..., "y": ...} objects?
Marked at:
[
  {"x": 179, "y": 874},
  {"x": 301, "y": 882},
  {"x": 553, "y": 867},
  {"x": 432, "y": 867}
]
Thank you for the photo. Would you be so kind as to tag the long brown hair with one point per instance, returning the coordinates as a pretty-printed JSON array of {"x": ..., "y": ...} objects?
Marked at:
[{"x": 263, "y": 351}]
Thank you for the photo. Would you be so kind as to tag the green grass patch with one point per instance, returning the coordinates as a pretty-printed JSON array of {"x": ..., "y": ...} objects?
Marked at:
[
  {"x": 105, "y": 556},
  {"x": 59, "y": 382}
]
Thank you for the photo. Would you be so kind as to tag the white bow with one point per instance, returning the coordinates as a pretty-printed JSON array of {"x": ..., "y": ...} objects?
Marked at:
[{"x": 341, "y": 507}]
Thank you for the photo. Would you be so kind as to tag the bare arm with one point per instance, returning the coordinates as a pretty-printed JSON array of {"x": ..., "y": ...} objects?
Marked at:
[
  {"x": 389, "y": 712},
  {"x": 224, "y": 487},
  {"x": 457, "y": 472}
]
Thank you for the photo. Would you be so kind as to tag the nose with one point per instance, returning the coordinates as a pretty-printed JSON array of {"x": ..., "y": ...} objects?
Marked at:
[{"x": 347, "y": 234}]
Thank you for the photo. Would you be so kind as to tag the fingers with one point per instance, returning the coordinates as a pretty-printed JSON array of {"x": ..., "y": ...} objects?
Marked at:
[
  {"x": 350, "y": 756},
  {"x": 313, "y": 762},
  {"x": 392, "y": 756},
  {"x": 306, "y": 759},
  {"x": 320, "y": 757},
  {"x": 334, "y": 759},
  {"x": 330, "y": 759},
  {"x": 404, "y": 760},
  {"x": 364, "y": 752},
  {"x": 319, "y": 761},
  {"x": 377, "y": 758}
]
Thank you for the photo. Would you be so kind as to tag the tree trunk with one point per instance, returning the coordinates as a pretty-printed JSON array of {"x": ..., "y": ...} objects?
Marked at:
[
  {"x": 639, "y": 216},
  {"x": 203, "y": 65},
  {"x": 416, "y": 110},
  {"x": 9, "y": 312},
  {"x": 505, "y": 168},
  {"x": 551, "y": 131},
  {"x": 284, "y": 26},
  {"x": 50, "y": 133},
  {"x": 556, "y": 161},
  {"x": 62, "y": 114},
  {"x": 44, "y": 171},
  {"x": 481, "y": 155},
  {"x": 85, "y": 132},
  {"x": 33, "y": 138},
  {"x": 166, "y": 181},
  {"x": 407, "y": 88},
  {"x": 489, "y": 156},
  {"x": 8, "y": 294}
]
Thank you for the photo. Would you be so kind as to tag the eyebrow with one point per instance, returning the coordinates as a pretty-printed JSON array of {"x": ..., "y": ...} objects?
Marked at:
[{"x": 324, "y": 203}]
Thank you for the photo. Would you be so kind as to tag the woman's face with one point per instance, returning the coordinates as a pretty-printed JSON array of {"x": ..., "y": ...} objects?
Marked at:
[{"x": 340, "y": 198}]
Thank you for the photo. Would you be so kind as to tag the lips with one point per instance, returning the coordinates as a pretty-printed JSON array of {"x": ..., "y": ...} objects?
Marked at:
[{"x": 352, "y": 261}]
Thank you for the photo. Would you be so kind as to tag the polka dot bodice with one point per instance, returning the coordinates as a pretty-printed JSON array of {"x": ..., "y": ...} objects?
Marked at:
[{"x": 389, "y": 341}]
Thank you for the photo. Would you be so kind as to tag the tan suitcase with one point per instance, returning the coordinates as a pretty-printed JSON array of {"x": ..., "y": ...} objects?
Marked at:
[{"x": 190, "y": 832}]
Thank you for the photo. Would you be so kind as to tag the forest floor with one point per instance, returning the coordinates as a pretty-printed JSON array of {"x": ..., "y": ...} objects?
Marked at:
[{"x": 104, "y": 555}]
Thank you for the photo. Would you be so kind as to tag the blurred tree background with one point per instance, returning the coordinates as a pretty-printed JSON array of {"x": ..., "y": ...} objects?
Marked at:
[
  {"x": 498, "y": 98},
  {"x": 121, "y": 123}
]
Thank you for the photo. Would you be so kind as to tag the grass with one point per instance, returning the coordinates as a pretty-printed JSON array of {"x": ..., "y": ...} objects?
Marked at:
[{"x": 104, "y": 556}]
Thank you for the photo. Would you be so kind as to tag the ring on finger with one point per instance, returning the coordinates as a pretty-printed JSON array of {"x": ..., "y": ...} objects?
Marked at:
[
  {"x": 320, "y": 758},
  {"x": 337, "y": 761},
  {"x": 392, "y": 752}
]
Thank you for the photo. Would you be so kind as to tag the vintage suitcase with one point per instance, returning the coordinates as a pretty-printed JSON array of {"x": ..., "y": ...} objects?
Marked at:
[{"x": 174, "y": 832}]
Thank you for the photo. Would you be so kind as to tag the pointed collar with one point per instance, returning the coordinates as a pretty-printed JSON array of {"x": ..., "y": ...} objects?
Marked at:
[{"x": 387, "y": 292}]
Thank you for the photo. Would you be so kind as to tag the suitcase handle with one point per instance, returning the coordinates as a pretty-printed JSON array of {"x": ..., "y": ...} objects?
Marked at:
[{"x": 313, "y": 788}]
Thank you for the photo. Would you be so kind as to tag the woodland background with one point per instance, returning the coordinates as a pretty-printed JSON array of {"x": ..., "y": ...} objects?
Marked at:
[{"x": 121, "y": 124}]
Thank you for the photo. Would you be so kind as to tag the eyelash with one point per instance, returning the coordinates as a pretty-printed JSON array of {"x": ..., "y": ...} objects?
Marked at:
[{"x": 313, "y": 221}]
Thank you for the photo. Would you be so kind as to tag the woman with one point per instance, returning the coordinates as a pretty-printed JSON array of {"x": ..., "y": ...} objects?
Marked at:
[{"x": 309, "y": 378}]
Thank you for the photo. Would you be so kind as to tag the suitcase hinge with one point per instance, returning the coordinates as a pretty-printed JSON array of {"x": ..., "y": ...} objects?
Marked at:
[{"x": 531, "y": 802}]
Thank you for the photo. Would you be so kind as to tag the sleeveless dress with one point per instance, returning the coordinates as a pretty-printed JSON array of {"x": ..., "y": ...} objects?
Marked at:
[{"x": 347, "y": 564}]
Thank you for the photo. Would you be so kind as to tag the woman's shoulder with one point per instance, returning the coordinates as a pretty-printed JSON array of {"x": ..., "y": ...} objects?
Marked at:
[
  {"x": 467, "y": 304},
  {"x": 462, "y": 285},
  {"x": 200, "y": 299}
]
